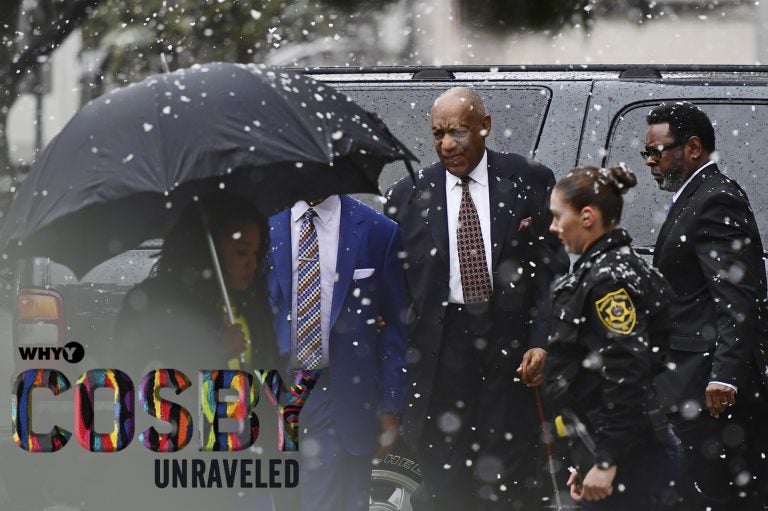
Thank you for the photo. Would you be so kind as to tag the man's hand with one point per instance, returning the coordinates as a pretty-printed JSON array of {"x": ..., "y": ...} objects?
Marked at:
[
  {"x": 532, "y": 367},
  {"x": 390, "y": 430},
  {"x": 719, "y": 397}
]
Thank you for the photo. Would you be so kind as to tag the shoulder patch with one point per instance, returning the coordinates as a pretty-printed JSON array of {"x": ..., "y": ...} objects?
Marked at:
[{"x": 617, "y": 312}]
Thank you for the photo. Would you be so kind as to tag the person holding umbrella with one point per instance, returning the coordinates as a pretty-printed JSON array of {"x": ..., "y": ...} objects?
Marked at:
[
  {"x": 129, "y": 162},
  {"x": 177, "y": 316},
  {"x": 610, "y": 323}
]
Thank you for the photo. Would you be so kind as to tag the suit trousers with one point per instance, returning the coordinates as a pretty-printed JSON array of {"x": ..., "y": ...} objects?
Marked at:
[
  {"x": 725, "y": 468},
  {"x": 464, "y": 466},
  {"x": 331, "y": 479}
]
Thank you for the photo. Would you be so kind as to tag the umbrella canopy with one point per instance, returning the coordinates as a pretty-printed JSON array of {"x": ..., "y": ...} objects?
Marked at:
[{"x": 122, "y": 170}]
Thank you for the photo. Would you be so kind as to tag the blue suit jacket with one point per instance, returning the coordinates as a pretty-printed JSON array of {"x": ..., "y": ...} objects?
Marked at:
[{"x": 367, "y": 367}]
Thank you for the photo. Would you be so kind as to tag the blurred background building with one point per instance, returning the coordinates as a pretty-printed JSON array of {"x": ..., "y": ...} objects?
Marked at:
[{"x": 119, "y": 43}]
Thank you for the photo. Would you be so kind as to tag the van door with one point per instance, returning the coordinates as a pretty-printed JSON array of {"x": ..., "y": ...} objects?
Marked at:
[{"x": 615, "y": 129}]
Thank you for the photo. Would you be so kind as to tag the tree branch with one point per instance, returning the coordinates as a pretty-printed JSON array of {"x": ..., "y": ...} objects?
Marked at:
[
  {"x": 49, "y": 38},
  {"x": 9, "y": 12}
]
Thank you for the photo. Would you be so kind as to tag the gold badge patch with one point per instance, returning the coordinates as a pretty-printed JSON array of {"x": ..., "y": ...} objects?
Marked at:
[{"x": 617, "y": 312}]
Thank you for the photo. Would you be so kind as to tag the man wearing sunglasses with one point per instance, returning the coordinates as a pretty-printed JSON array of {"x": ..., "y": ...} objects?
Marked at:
[{"x": 710, "y": 251}]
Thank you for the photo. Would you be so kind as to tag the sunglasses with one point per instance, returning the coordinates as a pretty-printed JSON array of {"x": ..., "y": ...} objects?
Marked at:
[{"x": 655, "y": 152}]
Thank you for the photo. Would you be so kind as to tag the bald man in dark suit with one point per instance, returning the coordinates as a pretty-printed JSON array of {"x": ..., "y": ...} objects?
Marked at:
[{"x": 480, "y": 261}]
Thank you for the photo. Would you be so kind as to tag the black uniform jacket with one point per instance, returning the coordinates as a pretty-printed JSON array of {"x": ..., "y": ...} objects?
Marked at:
[
  {"x": 709, "y": 250},
  {"x": 609, "y": 333}
]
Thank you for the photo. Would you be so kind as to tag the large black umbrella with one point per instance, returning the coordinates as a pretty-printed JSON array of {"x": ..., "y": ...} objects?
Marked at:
[{"x": 128, "y": 162}]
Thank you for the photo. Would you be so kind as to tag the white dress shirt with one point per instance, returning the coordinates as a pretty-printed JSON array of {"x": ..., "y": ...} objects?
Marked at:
[
  {"x": 479, "y": 190},
  {"x": 327, "y": 224}
]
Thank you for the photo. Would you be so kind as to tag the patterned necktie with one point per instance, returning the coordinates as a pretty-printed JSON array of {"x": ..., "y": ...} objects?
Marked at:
[
  {"x": 309, "y": 347},
  {"x": 475, "y": 282}
]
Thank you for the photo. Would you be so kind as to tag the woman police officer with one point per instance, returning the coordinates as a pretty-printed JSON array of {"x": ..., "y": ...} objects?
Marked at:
[{"x": 609, "y": 330}]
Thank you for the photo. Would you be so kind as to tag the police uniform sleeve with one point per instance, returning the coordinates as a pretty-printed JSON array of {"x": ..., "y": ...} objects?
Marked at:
[{"x": 623, "y": 361}]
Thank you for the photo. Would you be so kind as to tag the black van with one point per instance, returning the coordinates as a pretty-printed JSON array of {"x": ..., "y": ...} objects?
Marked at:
[{"x": 561, "y": 116}]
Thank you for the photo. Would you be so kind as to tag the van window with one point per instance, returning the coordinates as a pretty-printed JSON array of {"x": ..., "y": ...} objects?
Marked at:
[
  {"x": 517, "y": 115},
  {"x": 122, "y": 271},
  {"x": 91, "y": 305},
  {"x": 741, "y": 128}
]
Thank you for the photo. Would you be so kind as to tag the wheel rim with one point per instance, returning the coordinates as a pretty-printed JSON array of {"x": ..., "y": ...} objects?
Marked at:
[{"x": 391, "y": 491}]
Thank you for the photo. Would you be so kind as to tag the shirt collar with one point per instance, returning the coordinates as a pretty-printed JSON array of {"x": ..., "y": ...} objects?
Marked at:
[
  {"x": 479, "y": 174},
  {"x": 324, "y": 210},
  {"x": 679, "y": 192}
]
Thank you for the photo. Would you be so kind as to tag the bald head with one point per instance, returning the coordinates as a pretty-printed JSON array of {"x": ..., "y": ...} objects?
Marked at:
[
  {"x": 464, "y": 96},
  {"x": 459, "y": 127}
]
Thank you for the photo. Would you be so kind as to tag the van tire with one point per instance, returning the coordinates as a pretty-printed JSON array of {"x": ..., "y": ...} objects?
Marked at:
[{"x": 393, "y": 480}]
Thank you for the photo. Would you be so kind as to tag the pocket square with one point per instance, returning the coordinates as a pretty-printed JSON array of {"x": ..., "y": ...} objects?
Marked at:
[
  {"x": 362, "y": 273},
  {"x": 525, "y": 223}
]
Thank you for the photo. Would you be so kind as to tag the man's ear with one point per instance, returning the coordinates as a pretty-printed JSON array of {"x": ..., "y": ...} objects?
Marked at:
[
  {"x": 485, "y": 126},
  {"x": 694, "y": 148}
]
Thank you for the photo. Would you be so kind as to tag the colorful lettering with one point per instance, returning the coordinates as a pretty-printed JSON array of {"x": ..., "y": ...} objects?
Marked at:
[
  {"x": 288, "y": 404},
  {"x": 178, "y": 416},
  {"x": 21, "y": 410},
  {"x": 214, "y": 410},
  {"x": 122, "y": 432}
]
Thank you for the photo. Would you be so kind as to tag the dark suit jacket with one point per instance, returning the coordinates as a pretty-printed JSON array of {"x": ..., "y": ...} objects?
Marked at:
[
  {"x": 367, "y": 365},
  {"x": 709, "y": 250},
  {"x": 525, "y": 259}
]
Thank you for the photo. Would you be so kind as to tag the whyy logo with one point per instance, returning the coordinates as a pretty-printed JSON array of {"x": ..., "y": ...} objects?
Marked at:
[{"x": 73, "y": 352}]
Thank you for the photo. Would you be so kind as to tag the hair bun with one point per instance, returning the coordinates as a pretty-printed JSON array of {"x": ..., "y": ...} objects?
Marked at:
[{"x": 622, "y": 178}]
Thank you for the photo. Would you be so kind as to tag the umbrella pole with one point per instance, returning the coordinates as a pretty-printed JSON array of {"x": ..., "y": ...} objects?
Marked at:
[
  {"x": 217, "y": 267},
  {"x": 164, "y": 62},
  {"x": 233, "y": 363},
  {"x": 219, "y": 276}
]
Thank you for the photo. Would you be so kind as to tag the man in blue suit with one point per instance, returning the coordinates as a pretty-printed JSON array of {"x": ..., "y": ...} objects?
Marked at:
[{"x": 334, "y": 276}]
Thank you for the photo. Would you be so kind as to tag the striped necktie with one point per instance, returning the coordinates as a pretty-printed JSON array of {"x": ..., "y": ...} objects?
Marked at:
[{"x": 309, "y": 347}]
